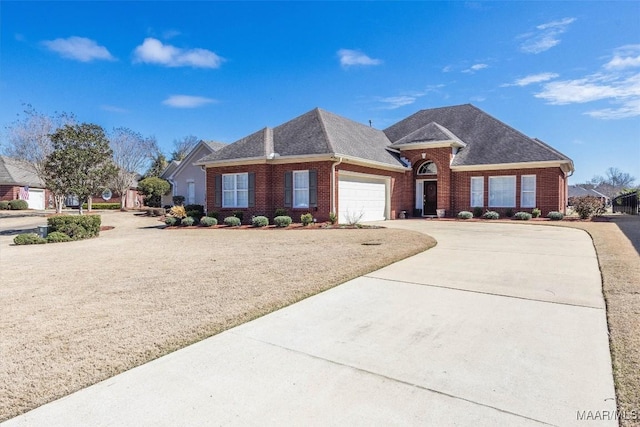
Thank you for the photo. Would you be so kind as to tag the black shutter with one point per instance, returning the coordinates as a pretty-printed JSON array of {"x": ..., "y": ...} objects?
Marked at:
[
  {"x": 313, "y": 188},
  {"x": 288, "y": 189},
  {"x": 252, "y": 189},
  {"x": 217, "y": 202}
]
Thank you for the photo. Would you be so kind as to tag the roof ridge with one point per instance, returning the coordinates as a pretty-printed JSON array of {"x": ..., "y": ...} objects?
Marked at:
[{"x": 330, "y": 143}]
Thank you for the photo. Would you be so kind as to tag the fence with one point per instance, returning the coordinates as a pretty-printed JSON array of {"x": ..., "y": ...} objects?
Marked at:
[{"x": 626, "y": 203}]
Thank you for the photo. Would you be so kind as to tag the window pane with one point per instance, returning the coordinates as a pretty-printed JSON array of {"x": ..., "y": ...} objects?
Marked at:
[
  {"x": 502, "y": 192},
  {"x": 227, "y": 199},
  {"x": 528, "y": 183},
  {"x": 477, "y": 184},
  {"x": 301, "y": 179},
  {"x": 301, "y": 198},
  {"x": 243, "y": 199},
  {"x": 528, "y": 200},
  {"x": 242, "y": 181},
  {"x": 228, "y": 182}
]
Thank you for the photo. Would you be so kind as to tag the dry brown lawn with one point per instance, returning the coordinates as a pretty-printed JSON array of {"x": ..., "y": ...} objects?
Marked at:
[
  {"x": 617, "y": 244},
  {"x": 77, "y": 313}
]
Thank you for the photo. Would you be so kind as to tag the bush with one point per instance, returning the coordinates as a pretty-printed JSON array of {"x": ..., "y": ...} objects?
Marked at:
[
  {"x": 239, "y": 215},
  {"x": 76, "y": 226},
  {"x": 198, "y": 208},
  {"x": 188, "y": 221},
  {"x": 587, "y": 206},
  {"x": 178, "y": 211},
  {"x": 491, "y": 215},
  {"x": 509, "y": 213},
  {"x": 4, "y": 205},
  {"x": 153, "y": 188},
  {"x": 195, "y": 214},
  {"x": 213, "y": 215},
  {"x": 306, "y": 219},
  {"x": 171, "y": 221},
  {"x": 333, "y": 218},
  {"x": 477, "y": 212},
  {"x": 282, "y": 221},
  {"x": 522, "y": 216},
  {"x": 280, "y": 212},
  {"x": 260, "y": 221},
  {"x": 465, "y": 215},
  {"x": 28, "y": 239},
  {"x": 232, "y": 221},
  {"x": 555, "y": 216},
  {"x": 208, "y": 221},
  {"x": 57, "y": 237},
  {"x": 178, "y": 200},
  {"x": 18, "y": 205},
  {"x": 103, "y": 206},
  {"x": 536, "y": 213}
]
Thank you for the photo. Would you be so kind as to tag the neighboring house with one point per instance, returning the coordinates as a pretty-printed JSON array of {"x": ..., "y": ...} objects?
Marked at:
[
  {"x": 577, "y": 191},
  {"x": 18, "y": 180},
  {"x": 187, "y": 179},
  {"x": 437, "y": 161}
]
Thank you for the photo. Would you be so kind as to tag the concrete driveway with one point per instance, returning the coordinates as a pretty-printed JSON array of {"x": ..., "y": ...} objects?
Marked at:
[{"x": 500, "y": 324}]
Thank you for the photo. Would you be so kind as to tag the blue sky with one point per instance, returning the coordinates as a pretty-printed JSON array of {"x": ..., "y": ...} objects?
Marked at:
[{"x": 565, "y": 72}]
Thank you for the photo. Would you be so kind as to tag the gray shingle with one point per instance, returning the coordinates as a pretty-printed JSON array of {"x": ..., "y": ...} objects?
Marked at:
[
  {"x": 432, "y": 132},
  {"x": 489, "y": 141},
  {"x": 15, "y": 172}
]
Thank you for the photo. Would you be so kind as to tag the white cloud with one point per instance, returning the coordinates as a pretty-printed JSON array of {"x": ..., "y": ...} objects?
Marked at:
[
  {"x": 546, "y": 36},
  {"x": 349, "y": 57},
  {"x": 625, "y": 57},
  {"x": 113, "y": 109},
  {"x": 533, "y": 78},
  {"x": 78, "y": 48},
  {"x": 393, "y": 102},
  {"x": 187, "y": 101},
  {"x": 475, "y": 67},
  {"x": 447, "y": 69},
  {"x": 153, "y": 51}
]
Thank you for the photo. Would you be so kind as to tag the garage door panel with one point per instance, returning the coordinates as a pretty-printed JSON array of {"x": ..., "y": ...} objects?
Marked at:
[
  {"x": 363, "y": 196},
  {"x": 36, "y": 199}
]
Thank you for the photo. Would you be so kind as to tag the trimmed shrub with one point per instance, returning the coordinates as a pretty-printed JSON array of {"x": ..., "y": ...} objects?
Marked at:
[
  {"x": 465, "y": 215},
  {"x": 239, "y": 215},
  {"x": 232, "y": 221},
  {"x": 57, "y": 237},
  {"x": 260, "y": 221},
  {"x": 536, "y": 213},
  {"x": 171, "y": 221},
  {"x": 208, "y": 221},
  {"x": 555, "y": 216},
  {"x": 199, "y": 208},
  {"x": 28, "y": 239},
  {"x": 522, "y": 216},
  {"x": 103, "y": 206},
  {"x": 213, "y": 214},
  {"x": 4, "y": 205},
  {"x": 491, "y": 215},
  {"x": 477, "y": 212},
  {"x": 178, "y": 200},
  {"x": 188, "y": 221},
  {"x": 509, "y": 213},
  {"x": 282, "y": 221},
  {"x": 280, "y": 212},
  {"x": 18, "y": 205},
  {"x": 75, "y": 226},
  {"x": 196, "y": 214},
  {"x": 587, "y": 206},
  {"x": 306, "y": 219}
]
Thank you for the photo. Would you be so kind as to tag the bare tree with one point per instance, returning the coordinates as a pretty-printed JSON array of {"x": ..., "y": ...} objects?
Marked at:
[
  {"x": 613, "y": 182},
  {"x": 132, "y": 153},
  {"x": 182, "y": 147},
  {"x": 29, "y": 139}
]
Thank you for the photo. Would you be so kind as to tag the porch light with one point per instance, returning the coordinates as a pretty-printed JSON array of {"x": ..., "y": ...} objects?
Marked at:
[{"x": 424, "y": 156}]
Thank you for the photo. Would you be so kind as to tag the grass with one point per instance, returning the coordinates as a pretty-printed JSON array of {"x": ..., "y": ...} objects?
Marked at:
[
  {"x": 90, "y": 309},
  {"x": 617, "y": 244}
]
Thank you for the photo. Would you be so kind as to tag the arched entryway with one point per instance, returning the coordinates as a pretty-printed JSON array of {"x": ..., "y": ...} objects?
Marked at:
[{"x": 427, "y": 188}]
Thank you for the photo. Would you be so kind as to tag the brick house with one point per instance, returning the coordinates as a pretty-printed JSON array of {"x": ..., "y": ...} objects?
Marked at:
[
  {"x": 437, "y": 161},
  {"x": 15, "y": 176}
]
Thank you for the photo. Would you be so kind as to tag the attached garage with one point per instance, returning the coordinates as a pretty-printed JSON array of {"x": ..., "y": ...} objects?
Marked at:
[
  {"x": 362, "y": 196},
  {"x": 36, "y": 198}
]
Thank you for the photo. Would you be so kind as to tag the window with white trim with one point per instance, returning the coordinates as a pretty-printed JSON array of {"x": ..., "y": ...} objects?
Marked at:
[
  {"x": 477, "y": 191},
  {"x": 528, "y": 191},
  {"x": 301, "y": 189},
  {"x": 235, "y": 190},
  {"x": 502, "y": 191}
]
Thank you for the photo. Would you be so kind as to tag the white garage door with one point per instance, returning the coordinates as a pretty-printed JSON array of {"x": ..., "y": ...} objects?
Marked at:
[
  {"x": 361, "y": 197},
  {"x": 36, "y": 199}
]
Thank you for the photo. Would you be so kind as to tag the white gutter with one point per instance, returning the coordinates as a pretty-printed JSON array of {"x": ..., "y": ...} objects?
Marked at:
[{"x": 333, "y": 185}]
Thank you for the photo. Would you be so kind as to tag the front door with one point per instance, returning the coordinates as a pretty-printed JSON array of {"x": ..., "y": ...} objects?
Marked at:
[{"x": 430, "y": 198}]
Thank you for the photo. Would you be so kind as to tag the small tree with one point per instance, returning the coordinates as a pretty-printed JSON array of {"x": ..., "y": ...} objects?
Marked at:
[
  {"x": 587, "y": 206},
  {"x": 153, "y": 188},
  {"x": 80, "y": 163},
  {"x": 158, "y": 165},
  {"x": 182, "y": 147}
]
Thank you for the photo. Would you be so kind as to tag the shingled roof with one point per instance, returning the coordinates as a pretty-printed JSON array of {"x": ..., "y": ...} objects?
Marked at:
[
  {"x": 432, "y": 133},
  {"x": 489, "y": 141},
  {"x": 16, "y": 172},
  {"x": 315, "y": 132}
]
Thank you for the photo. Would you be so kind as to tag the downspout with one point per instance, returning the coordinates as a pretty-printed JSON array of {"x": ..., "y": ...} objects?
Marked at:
[{"x": 333, "y": 185}]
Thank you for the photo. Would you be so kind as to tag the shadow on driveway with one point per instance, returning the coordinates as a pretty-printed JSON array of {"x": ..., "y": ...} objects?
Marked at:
[
  {"x": 630, "y": 226},
  {"x": 18, "y": 231}
]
